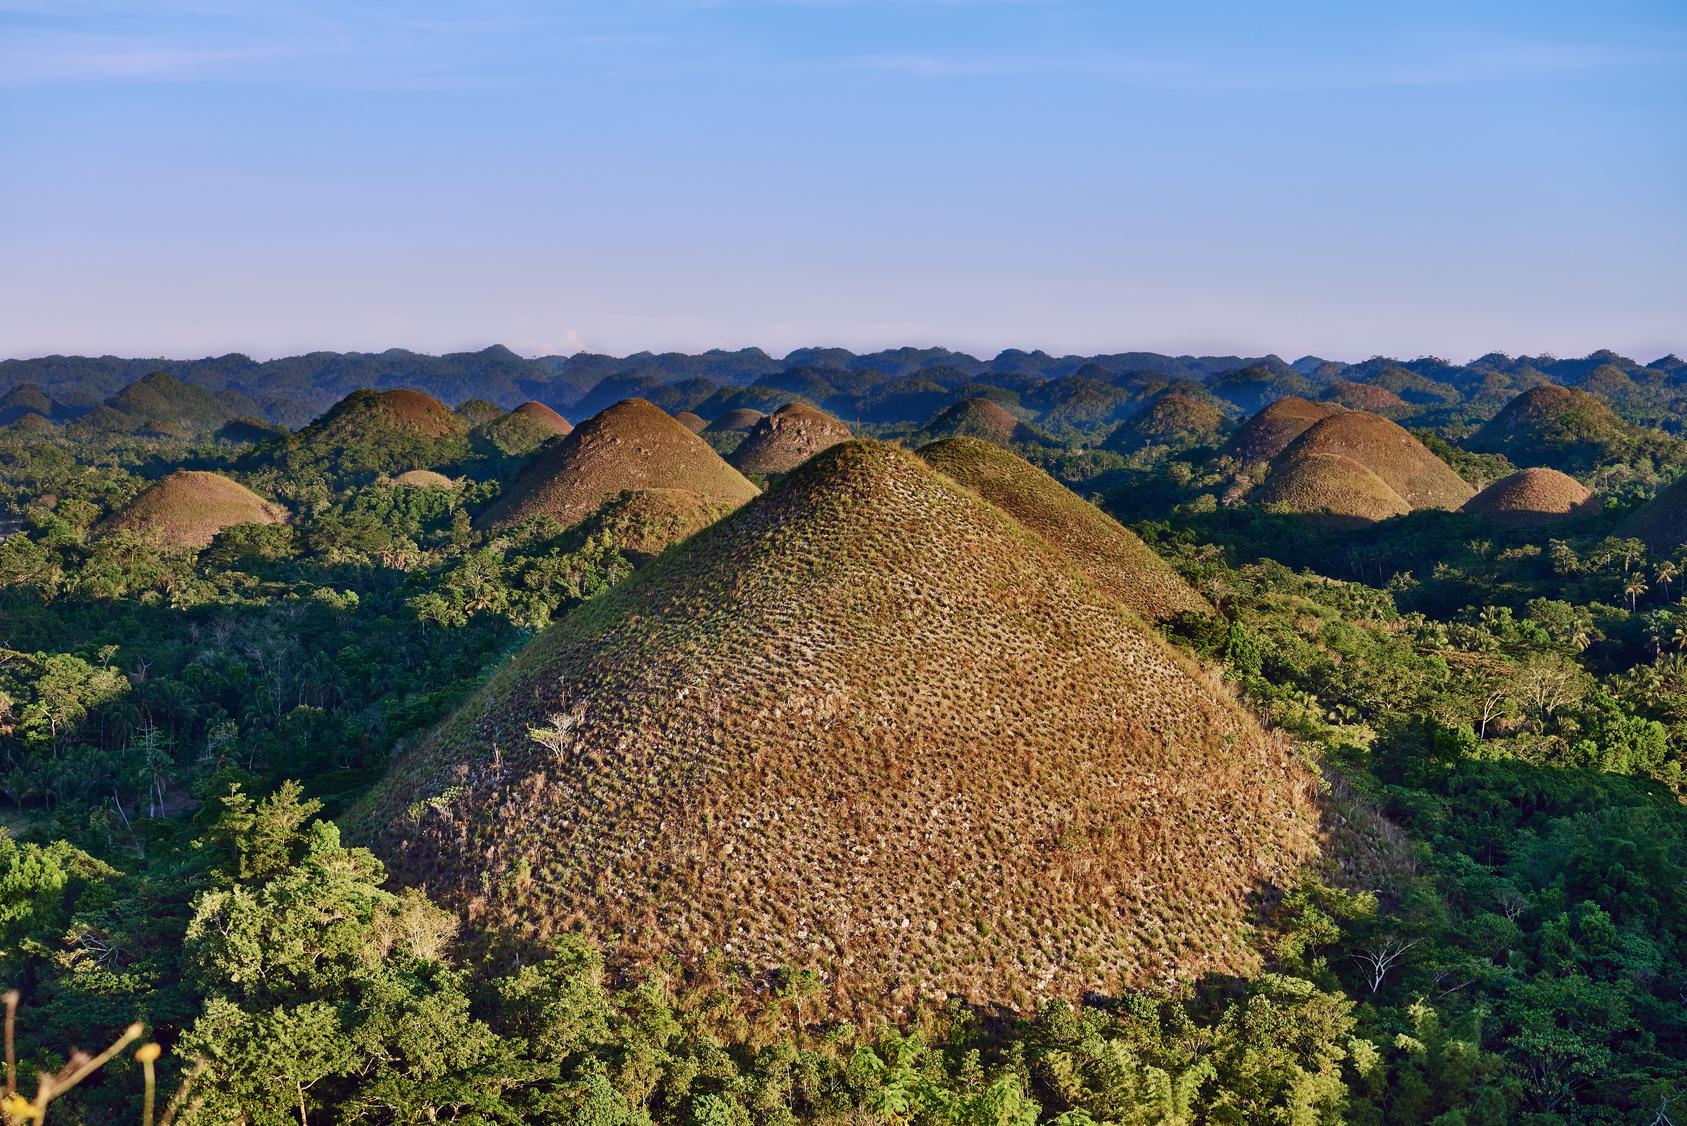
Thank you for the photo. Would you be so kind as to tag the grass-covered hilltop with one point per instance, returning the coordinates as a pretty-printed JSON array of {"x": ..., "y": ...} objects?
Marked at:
[{"x": 903, "y": 738}]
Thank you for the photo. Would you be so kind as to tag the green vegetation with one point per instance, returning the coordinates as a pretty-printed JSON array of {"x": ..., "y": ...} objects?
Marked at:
[{"x": 383, "y": 817}]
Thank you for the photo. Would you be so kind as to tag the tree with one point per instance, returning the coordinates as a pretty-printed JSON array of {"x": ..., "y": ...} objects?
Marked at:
[
  {"x": 156, "y": 768},
  {"x": 1665, "y": 573}
]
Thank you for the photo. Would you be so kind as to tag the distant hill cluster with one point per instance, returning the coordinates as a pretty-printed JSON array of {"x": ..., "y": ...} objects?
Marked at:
[{"x": 1069, "y": 398}]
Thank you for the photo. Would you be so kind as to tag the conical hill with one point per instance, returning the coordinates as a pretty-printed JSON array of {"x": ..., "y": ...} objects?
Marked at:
[
  {"x": 424, "y": 479},
  {"x": 544, "y": 416},
  {"x": 867, "y": 725},
  {"x": 787, "y": 438},
  {"x": 1364, "y": 397},
  {"x": 1533, "y": 496},
  {"x": 363, "y": 435},
  {"x": 1546, "y": 420},
  {"x": 519, "y": 432},
  {"x": 1176, "y": 421},
  {"x": 979, "y": 418},
  {"x": 1111, "y": 557},
  {"x": 695, "y": 423},
  {"x": 412, "y": 411},
  {"x": 631, "y": 445},
  {"x": 190, "y": 507},
  {"x": 1660, "y": 523},
  {"x": 1338, "y": 489},
  {"x": 741, "y": 420},
  {"x": 1420, "y": 478},
  {"x": 1269, "y": 432}
]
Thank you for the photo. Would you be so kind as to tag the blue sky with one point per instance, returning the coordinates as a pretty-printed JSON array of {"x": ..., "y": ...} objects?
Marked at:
[{"x": 195, "y": 177}]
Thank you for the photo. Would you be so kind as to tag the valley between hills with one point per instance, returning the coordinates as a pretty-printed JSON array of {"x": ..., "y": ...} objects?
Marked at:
[{"x": 905, "y": 738}]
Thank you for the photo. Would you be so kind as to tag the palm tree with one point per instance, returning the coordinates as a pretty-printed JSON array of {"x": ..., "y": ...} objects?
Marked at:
[
  {"x": 157, "y": 768},
  {"x": 1635, "y": 588},
  {"x": 1666, "y": 573}
]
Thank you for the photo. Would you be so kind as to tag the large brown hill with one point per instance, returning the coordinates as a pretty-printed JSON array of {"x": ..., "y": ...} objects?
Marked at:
[
  {"x": 401, "y": 409},
  {"x": 1176, "y": 421},
  {"x": 1420, "y": 478},
  {"x": 544, "y": 416},
  {"x": 1269, "y": 432},
  {"x": 1338, "y": 489},
  {"x": 631, "y": 445},
  {"x": 787, "y": 438},
  {"x": 867, "y": 725},
  {"x": 1533, "y": 496},
  {"x": 190, "y": 507},
  {"x": 1112, "y": 557}
]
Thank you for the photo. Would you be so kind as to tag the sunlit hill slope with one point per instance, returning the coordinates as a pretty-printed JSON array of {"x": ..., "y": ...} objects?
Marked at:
[{"x": 870, "y": 725}]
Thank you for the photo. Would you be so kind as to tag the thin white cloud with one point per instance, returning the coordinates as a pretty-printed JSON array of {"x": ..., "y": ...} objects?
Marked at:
[
  {"x": 445, "y": 43},
  {"x": 1451, "y": 68}
]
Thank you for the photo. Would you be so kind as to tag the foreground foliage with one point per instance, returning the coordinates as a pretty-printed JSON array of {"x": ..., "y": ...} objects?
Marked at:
[{"x": 1500, "y": 935}]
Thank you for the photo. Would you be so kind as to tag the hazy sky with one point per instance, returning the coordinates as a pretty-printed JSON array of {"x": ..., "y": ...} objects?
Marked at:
[{"x": 195, "y": 177}]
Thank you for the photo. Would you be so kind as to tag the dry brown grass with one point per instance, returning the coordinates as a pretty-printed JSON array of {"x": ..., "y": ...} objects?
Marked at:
[
  {"x": 979, "y": 418},
  {"x": 1534, "y": 496},
  {"x": 423, "y": 414},
  {"x": 544, "y": 416},
  {"x": 1111, "y": 556},
  {"x": 867, "y": 724},
  {"x": 740, "y": 421},
  {"x": 787, "y": 438},
  {"x": 190, "y": 507},
  {"x": 1342, "y": 491},
  {"x": 424, "y": 479},
  {"x": 1269, "y": 432},
  {"x": 1420, "y": 478},
  {"x": 695, "y": 423},
  {"x": 631, "y": 445}
]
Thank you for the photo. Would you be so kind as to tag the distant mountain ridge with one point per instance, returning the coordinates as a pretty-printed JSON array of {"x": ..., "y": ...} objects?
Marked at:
[{"x": 1076, "y": 399}]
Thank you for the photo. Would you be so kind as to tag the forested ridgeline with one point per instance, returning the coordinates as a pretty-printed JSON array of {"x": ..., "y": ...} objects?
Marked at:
[
  {"x": 1493, "y": 931},
  {"x": 1064, "y": 401}
]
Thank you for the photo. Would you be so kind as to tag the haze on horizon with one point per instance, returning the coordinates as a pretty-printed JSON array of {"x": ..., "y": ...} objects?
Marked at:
[{"x": 189, "y": 179}]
